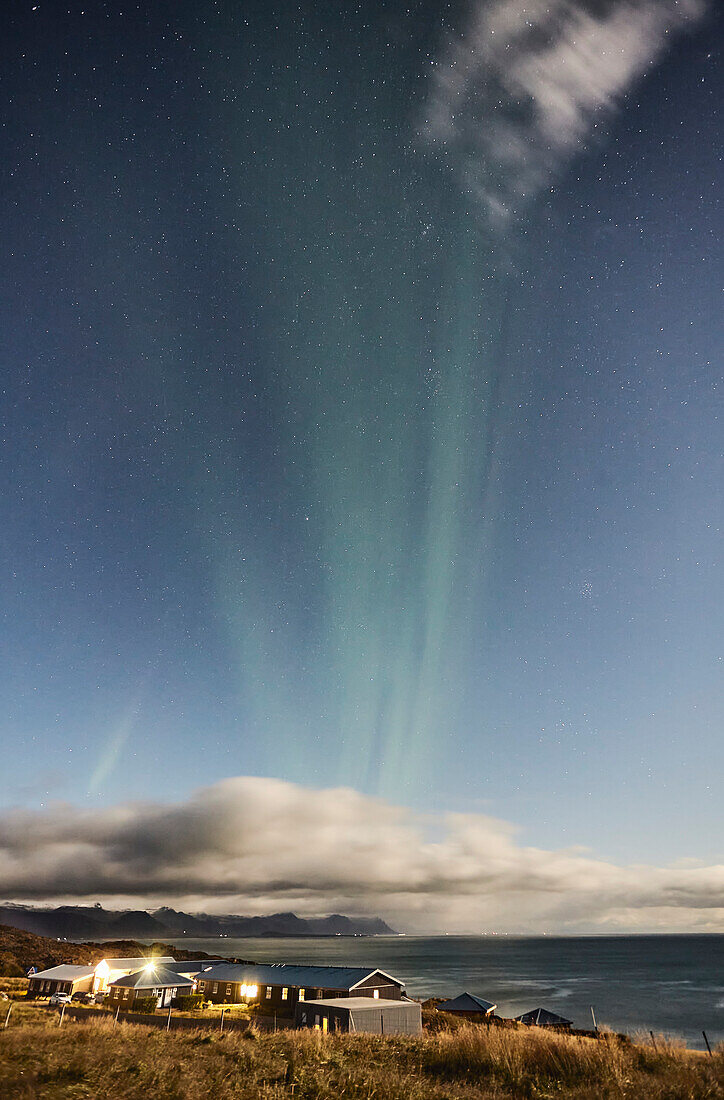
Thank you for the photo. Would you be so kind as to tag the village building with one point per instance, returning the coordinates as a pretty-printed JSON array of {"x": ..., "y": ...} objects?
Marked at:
[
  {"x": 61, "y": 979},
  {"x": 153, "y": 981},
  {"x": 541, "y": 1017},
  {"x": 360, "y": 1014},
  {"x": 279, "y": 986},
  {"x": 108, "y": 970},
  {"x": 468, "y": 1007}
]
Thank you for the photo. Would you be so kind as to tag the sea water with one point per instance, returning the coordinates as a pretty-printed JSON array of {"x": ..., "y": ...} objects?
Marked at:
[{"x": 670, "y": 984}]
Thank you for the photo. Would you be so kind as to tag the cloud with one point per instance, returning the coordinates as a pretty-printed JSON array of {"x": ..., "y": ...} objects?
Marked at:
[
  {"x": 519, "y": 93},
  {"x": 254, "y": 845}
]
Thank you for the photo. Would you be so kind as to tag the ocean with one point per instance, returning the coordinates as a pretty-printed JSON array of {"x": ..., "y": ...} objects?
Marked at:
[{"x": 671, "y": 984}]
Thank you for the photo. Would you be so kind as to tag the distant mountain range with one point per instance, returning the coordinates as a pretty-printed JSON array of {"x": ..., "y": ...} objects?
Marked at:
[{"x": 78, "y": 922}]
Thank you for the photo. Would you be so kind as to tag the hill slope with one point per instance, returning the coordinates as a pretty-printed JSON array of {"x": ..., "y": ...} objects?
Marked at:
[
  {"x": 82, "y": 922},
  {"x": 19, "y": 950}
]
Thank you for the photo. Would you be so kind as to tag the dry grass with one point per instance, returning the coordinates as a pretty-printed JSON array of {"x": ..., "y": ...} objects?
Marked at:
[
  {"x": 14, "y": 987},
  {"x": 40, "y": 1061}
]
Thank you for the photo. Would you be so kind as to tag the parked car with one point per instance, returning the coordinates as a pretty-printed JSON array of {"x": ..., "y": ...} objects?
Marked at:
[
  {"x": 59, "y": 999},
  {"x": 82, "y": 998},
  {"x": 100, "y": 997}
]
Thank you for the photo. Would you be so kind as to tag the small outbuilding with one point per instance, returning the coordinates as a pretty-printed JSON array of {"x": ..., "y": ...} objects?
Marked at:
[
  {"x": 541, "y": 1017},
  {"x": 364, "y": 1014},
  {"x": 152, "y": 981},
  {"x": 61, "y": 979},
  {"x": 469, "y": 1007}
]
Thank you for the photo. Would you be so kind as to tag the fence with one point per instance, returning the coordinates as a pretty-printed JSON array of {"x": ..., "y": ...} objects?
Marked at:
[{"x": 266, "y": 1023}]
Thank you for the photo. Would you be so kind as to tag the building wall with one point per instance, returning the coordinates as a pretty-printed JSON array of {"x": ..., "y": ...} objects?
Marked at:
[
  {"x": 405, "y": 1020},
  {"x": 126, "y": 996},
  {"x": 385, "y": 990},
  {"x": 44, "y": 987},
  {"x": 275, "y": 997}
]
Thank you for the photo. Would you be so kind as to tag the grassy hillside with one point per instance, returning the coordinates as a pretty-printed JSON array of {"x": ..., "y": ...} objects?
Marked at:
[
  {"x": 41, "y": 1061},
  {"x": 21, "y": 950}
]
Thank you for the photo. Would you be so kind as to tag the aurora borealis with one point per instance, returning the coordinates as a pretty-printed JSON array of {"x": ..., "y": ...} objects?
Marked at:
[{"x": 361, "y": 412}]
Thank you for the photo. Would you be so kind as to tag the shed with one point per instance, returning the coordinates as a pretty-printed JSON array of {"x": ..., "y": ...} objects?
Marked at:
[
  {"x": 61, "y": 979},
  {"x": 468, "y": 1006},
  {"x": 541, "y": 1017},
  {"x": 152, "y": 981},
  {"x": 376, "y": 1017}
]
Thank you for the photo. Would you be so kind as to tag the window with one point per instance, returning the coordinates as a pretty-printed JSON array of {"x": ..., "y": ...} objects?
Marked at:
[
  {"x": 202, "y": 985},
  {"x": 125, "y": 994},
  {"x": 268, "y": 992},
  {"x": 215, "y": 988},
  {"x": 302, "y": 991},
  {"x": 228, "y": 991},
  {"x": 376, "y": 994},
  {"x": 285, "y": 992}
]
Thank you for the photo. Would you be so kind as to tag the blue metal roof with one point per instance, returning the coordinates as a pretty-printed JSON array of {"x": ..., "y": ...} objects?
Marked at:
[
  {"x": 543, "y": 1018},
  {"x": 290, "y": 974},
  {"x": 467, "y": 1002},
  {"x": 191, "y": 966},
  {"x": 157, "y": 977}
]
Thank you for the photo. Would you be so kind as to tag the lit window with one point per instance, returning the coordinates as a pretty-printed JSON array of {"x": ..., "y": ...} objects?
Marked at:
[
  {"x": 228, "y": 991},
  {"x": 251, "y": 991},
  {"x": 268, "y": 992},
  {"x": 376, "y": 994},
  {"x": 285, "y": 992},
  {"x": 125, "y": 994},
  {"x": 202, "y": 985},
  {"x": 216, "y": 988},
  {"x": 302, "y": 991}
]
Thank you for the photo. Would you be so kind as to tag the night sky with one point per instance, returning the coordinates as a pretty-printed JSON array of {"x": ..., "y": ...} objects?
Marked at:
[{"x": 358, "y": 429}]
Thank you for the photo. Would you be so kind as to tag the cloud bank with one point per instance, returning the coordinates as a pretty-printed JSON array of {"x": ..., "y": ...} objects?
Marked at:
[
  {"x": 252, "y": 845},
  {"x": 519, "y": 93}
]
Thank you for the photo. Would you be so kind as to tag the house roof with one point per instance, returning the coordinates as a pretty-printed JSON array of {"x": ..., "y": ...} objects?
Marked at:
[
  {"x": 191, "y": 966},
  {"x": 541, "y": 1017},
  {"x": 311, "y": 977},
  {"x": 157, "y": 977},
  {"x": 66, "y": 973},
  {"x": 136, "y": 964},
  {"x": 359, "y": 1004},
  {"x": 467, "y": 1002}
]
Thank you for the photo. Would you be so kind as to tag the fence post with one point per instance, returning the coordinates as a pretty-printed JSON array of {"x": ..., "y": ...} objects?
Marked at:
[
  {"x": 707, "y": 1044},
  {"x": 115, "y": 1018},
  {"x": 222, "y": 1019},
  {"x": 62, "y": 1014},
  {"x": 8, "y": 1015},
  {"x": 653, "y": 1041},
  {"x": 168, "y": 1019},
  {"x": 593, "y": 1017}
]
